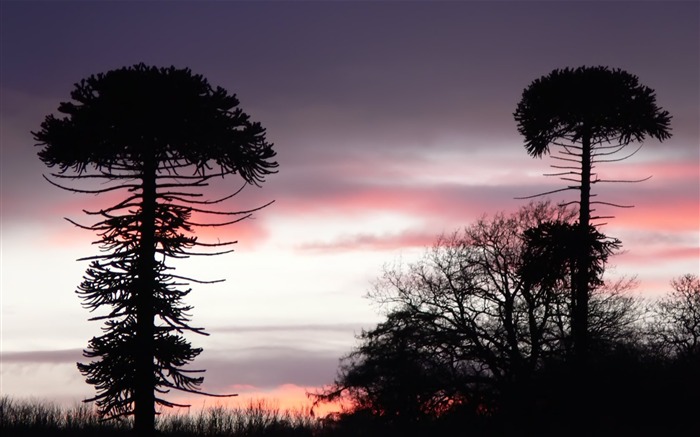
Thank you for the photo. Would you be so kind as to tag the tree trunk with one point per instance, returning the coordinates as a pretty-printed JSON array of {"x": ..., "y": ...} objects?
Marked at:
[
  {"x": 144, "y": 392},
  {"x": 583, "y": 270}
]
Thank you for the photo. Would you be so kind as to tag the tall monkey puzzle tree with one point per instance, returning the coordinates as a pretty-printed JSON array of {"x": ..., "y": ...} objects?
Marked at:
[
  {"x": 591, "y": 114},
  {"x": 157, "y": 136}
]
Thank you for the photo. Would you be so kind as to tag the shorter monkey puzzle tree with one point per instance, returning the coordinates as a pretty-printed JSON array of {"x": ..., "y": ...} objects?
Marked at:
[
  {"x": 157, "y": 136},
  {"x": 591, "y": 115}
]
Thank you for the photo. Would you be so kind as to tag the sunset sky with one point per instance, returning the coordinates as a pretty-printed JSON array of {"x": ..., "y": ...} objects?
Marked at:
[{"x": 392, "y": 122}]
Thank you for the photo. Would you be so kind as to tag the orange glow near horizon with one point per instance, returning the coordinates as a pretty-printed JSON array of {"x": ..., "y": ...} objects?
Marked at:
[{"x": 284, "y": 398}]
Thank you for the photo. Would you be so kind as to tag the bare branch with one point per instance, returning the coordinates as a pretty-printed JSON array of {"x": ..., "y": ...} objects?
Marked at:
[
  {"x": 100, "y": 191},
  {"x": 87, "y": 228},
  {"x": 209, "y": 202},
  {"x": 545, "y": 193},
  {"x": 87, "y": 176},
  {"x": 206, "y": 211},
  {"x": 565, "y": 159},
  {"x": 187, "y": 184},
  {"x": 563, "y": 167},
  {"x": 198, "y": 281},
  {"x": 198, "y": 392},
  {"x": 572, "y": 202},
  {"x": 205, "y": 253},
  {"x": 598, "y": 202},
  {"x": 174, "y": 196},
  {"x": 634, "y": 181},
  {"x": 225, "y": 243},
  {"x": 572, "y": 146},
  {"x": 619, "y": 159},
  {"x": 561, "y": 174},
  {"x": 219, "y": 224},
  {"x": 617, "y": 149}
]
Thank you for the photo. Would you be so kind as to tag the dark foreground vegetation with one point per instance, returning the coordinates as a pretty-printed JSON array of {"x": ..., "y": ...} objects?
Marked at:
[
  {"x": 36, "y": 418},
  {"x": 477, "y": 340}
]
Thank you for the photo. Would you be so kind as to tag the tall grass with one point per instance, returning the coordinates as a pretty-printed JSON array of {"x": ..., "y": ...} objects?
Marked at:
[
  {"x": 34, "y": 418},
  {"x": 258, "y": 418}
]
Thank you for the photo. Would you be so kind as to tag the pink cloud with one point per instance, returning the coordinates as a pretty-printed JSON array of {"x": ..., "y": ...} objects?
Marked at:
[
  {"x": 672, "y": 213},
  {"x": 458, "y": 202},
  {"x": 656, "y": 256},
  {"x": 653, "y": 286},
  {"x": 660, "y": 172},
  {"x": 372, "y": 242},
  {"x": 362, "y": 185},
  {"x": 249, "y": 233}
]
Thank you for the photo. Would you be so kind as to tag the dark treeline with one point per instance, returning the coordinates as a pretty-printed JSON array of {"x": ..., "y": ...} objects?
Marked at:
[{"x": 477, "y": 340}]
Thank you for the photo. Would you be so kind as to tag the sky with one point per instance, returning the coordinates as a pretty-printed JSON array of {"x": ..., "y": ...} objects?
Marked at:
[{"x": 392, "y": 122}]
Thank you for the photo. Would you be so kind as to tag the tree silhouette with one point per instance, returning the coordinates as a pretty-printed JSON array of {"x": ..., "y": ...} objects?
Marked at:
[
  {"x": 590, "y": 114},
  {"x": 392, "y": 374},
  {"x": 157, "y": 136},
  {"x": 473, "y": 324},
  {"x": 675, "y": 329},
  {"x": 550, "y": 254}
]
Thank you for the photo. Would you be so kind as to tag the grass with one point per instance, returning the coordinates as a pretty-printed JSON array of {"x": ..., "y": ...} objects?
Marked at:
[{"x": 34, "y": 418}]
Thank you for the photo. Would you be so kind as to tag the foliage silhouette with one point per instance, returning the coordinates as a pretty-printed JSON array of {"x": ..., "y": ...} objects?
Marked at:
[
  {"x": 675, "y": 328},
  {"x": 591, "y": 114},
  {"x": 157, "y": 136},
  {"x": 550, "y": 254},
  {"x": 471, "y": 328}
]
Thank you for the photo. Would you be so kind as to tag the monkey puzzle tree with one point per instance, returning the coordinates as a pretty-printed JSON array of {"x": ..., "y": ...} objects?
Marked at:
[
  {"x": 591, "y": 114},
  {"x": 157, "y": 136}
]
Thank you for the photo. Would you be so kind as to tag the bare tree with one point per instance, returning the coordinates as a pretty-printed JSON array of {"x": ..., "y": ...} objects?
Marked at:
[
  {"x": 675, "y": 328},
  {"x": 156, "y": 137}
]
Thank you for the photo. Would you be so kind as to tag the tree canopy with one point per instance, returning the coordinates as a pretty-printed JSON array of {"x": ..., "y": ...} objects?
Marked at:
[
  {"x": 116, "y": 120},
  {"x": 607, "y": 105}
]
